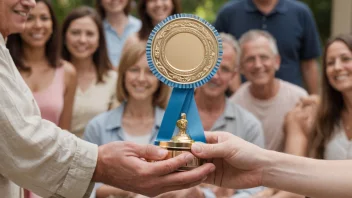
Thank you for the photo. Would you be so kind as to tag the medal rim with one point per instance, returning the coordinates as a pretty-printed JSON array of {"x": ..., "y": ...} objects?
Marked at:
[{"x": 177, "y": 84}]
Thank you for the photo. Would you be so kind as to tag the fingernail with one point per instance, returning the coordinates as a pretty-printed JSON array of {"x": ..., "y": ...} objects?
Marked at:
[
  {"x": 212, "y": 169},
  {"x": 189, "y": 157},
  {"x": 196, "y": 148},
  {"x": 162, "y": 152}
]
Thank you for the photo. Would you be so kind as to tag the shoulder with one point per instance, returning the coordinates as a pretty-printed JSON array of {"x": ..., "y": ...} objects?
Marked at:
[
  {"x": 111, "y": 75},
  {"x": 292, "y": 89},
  {"x": 101, "y": 120},
  {"x": 134, "y": 21},
  {"x": 70, "y": 73},
  {"x": 240, "y": 92},
  {"x": 110, "y": 80},
  {"x": 247, "y": 117},
  {"x": 298, "y": 7},
  {"x": 68, "y": 68}
]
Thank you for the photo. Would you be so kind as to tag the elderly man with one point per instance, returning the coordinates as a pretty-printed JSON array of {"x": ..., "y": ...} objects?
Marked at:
[
  {"x": 267, "y": 97},
  {"x": 219, "y": 114},
  {"x": 51, "y": 162}
]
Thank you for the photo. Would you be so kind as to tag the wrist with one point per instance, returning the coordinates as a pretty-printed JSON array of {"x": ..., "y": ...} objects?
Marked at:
[
  {"x": 97, "y": 175},
  {"x": 270, "y": 163}
]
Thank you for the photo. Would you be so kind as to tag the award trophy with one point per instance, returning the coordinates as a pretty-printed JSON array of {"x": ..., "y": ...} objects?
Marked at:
[{"x": 184, "y": 52}]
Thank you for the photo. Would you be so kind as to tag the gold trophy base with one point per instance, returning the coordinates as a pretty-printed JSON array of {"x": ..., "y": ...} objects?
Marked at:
[{"x": 177, "y": 148}]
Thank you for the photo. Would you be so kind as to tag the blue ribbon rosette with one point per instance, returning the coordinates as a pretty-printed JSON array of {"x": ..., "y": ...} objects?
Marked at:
[{"x": 170, "y": 42}]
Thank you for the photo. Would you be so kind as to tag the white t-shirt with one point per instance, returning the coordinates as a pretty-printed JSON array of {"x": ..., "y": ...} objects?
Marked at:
[
  {"x": 339, "y": 146},
  {"x": 271, "y": 112}
]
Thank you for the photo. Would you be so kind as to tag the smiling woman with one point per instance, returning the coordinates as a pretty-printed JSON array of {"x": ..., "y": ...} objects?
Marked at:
[
  {"x": 85, "y": 48},
  {"x": 36, "y": 55}
]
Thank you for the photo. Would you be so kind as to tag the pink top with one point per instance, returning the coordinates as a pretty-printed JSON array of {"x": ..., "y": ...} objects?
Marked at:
[{"x": 51, "y": 100}]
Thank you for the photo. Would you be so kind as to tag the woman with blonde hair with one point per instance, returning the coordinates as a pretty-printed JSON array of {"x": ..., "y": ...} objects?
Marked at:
[{"x": 143, "y": 99}]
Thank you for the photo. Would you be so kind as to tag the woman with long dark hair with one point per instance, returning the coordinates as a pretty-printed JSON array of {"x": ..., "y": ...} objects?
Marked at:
[
  {"x": 329, "y": 134},
  {"x": 36, "y": 53},
  {"x": 152, "y": 12},
  {"x": 85, "y": 47}
]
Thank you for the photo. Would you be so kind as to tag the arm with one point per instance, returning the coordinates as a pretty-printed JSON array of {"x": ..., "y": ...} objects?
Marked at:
[
  {"x": 315, "y": 178},
  {"x": 310, "y": 51},
  {"x": 310, "y": 74},
  {"x": 240, "y": 164},
  {"x": 296, "y": 142},
  {"x": 32, "y": 149},
  {"x": 221, "y": 21},
  {"x": 70, "y": 90}
]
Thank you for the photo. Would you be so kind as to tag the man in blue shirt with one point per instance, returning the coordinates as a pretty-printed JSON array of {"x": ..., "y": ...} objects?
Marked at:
[{"x": 292, "y": 25}]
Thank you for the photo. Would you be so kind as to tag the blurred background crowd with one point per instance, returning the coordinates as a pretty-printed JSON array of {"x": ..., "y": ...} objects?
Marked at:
[{"x": 282, "y": 84}]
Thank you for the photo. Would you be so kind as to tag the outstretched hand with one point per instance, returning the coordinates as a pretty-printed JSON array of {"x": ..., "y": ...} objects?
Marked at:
[
  {"x": 122, "y": 165},
  {"x": 239, "y": 164}
]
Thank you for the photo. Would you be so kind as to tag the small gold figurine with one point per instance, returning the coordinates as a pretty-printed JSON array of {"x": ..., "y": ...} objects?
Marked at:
[
  {"x": 182, "y": 135},
  {"x": 181, "y": 143}
]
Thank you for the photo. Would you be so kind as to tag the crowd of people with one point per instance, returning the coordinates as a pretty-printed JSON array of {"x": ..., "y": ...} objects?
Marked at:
[{"x": 91, "y": 77}]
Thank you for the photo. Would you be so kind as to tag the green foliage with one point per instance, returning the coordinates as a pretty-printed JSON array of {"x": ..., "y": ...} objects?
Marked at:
[{"x": 322, "y": 13}]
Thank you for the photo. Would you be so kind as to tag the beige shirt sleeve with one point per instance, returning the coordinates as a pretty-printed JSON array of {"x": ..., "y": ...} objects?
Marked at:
[{"x": 35, "y": 153}]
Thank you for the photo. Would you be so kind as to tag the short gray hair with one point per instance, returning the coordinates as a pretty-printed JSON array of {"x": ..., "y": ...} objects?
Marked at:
[
  {"x": 255, "y": 34},
  {"x": 231, "y": 40}
]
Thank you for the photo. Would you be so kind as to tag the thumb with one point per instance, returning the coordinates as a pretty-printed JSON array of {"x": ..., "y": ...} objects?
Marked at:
[
  {"x": 151, "y": 152},
  {"x": 206, "y": 151}
]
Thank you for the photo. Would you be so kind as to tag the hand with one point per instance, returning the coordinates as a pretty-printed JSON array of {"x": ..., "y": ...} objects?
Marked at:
[
  {"x": 310, "y": 100},
  {"x": 239, "y": 164},
  {"x": 303, "y": 114},
  {"x": 121, "y": 164}
]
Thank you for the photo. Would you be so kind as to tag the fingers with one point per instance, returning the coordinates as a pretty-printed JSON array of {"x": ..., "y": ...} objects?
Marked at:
[
  {"x": 151, "y": 152},
  {"x": 216, "y": 137},
  {"x": 207, "y": 151},
  {"x": 310, "y": 100},
  {"x": 188, "y": 177},
  {"x": 170, "y": 165}
]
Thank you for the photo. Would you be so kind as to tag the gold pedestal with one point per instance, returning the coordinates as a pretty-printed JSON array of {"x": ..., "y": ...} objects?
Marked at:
[{"x": 181, "y": 143}]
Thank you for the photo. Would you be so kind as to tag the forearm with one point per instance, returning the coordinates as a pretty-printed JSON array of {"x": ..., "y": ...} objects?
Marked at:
[
  {"x": 296, "y": 142},
  {"x": 35, "y": 153},
  {"x": 310, "y": 74},
  {"x": 310, "y": 177}
]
